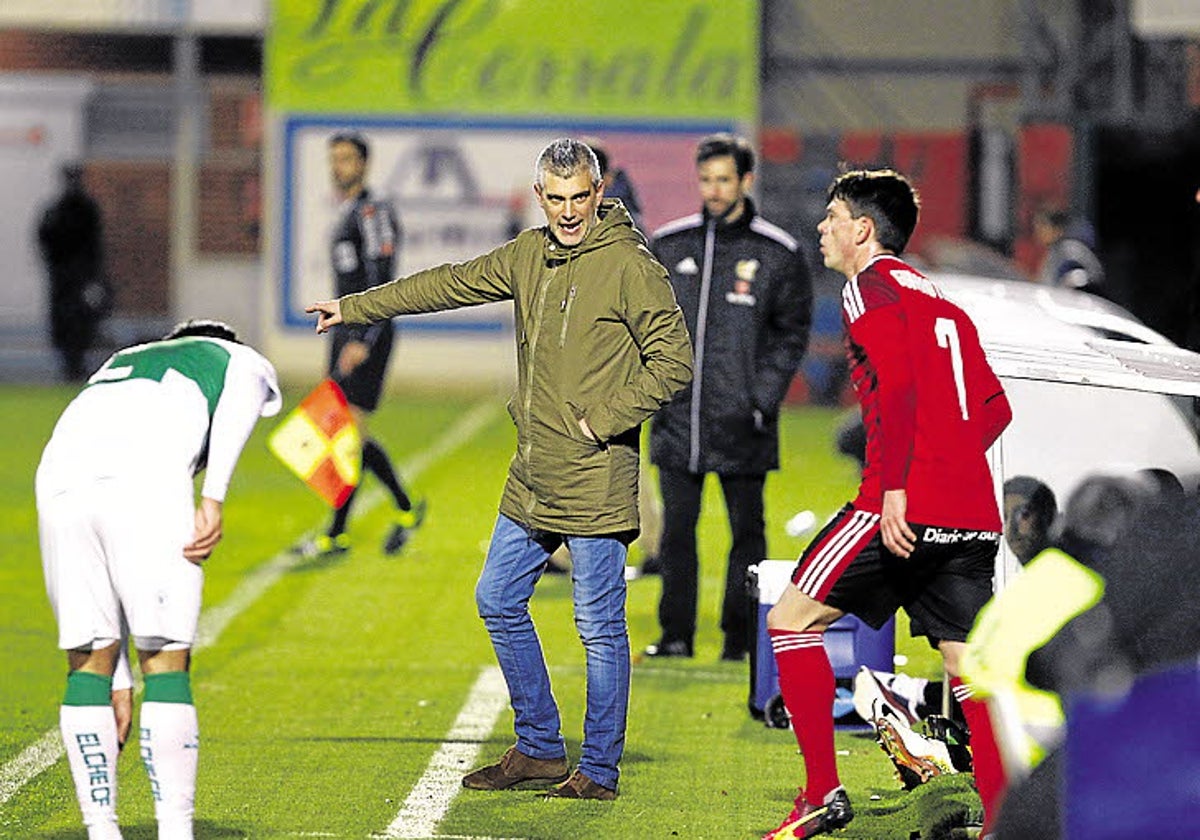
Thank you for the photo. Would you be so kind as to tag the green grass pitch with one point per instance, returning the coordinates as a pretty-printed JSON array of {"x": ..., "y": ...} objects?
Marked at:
[{"x": 324, "y": 698}]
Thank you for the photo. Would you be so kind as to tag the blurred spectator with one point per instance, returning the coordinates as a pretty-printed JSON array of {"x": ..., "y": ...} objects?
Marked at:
[
  {"x": 1070, "y": 260},
  {"x": 1140, "y": 534},
  {"x": 617, "y": 183},
  {"x": 69, "y": 237},
  {"x": 1030, "y": 510}
]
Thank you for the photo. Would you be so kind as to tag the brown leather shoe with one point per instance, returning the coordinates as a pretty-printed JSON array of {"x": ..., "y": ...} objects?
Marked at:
[
  {"x": 579, "y": 786},
  {"x": 517, "y": 770}
]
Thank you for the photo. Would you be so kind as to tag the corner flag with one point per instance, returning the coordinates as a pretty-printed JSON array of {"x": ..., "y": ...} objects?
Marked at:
[{"x": 320, "y": 443}]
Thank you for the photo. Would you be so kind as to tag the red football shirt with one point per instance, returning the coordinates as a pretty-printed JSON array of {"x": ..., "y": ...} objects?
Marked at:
[{"x": 930, "y": 402}]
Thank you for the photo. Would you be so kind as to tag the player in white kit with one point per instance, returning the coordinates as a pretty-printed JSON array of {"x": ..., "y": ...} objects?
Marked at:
[{"x": 122, "y": 541}]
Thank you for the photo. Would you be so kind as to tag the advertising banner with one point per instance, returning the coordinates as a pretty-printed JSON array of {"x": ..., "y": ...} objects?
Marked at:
[
  {"x": 458, "y": 97},
  {"x": 685, "y": 59}
]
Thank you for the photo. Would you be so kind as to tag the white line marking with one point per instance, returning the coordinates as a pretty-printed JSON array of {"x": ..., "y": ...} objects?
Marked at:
[
  {"x": 48, "y": 749},
  {"x": 431, "y": 796},
  {"x": 35, "y": 758}
]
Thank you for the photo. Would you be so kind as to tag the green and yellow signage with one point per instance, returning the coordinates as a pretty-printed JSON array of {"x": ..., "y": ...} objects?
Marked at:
[{"x": 621, "y": 59}]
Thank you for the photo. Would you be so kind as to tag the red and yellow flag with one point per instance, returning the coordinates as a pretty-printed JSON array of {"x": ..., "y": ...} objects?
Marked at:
[{"x": 320, "y": 443}]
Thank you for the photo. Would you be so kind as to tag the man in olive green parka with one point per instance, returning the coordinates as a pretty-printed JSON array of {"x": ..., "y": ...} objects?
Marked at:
[{"x": 601, "y": 345}]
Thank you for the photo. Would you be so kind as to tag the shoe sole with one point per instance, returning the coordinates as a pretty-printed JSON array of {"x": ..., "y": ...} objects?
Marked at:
[{"x": 914, "y": 769}]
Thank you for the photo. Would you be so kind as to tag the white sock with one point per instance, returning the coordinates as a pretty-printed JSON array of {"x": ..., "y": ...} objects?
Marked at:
[
  {"x": 89, "y": 734},
  {"x": 170, "y": 747}
]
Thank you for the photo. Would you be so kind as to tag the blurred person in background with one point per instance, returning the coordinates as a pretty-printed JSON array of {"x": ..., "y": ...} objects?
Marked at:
[
  {"x": 1138, "y": 534},
  {"x": 1070, "y": 261},
  {"x": 601, "y": 345},
  {"x": 70, "y": 239},
  {"x": 744, "y": 289},
  {"x": 924, "y": 529},
  {"x": 364, "y": 246},
  {"x": 122, "y": 539},
  {"x": 617, "y": 183}
]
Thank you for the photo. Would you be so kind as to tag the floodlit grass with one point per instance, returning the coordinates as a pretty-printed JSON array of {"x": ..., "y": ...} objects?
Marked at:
[{"x": 323, "y": 701}]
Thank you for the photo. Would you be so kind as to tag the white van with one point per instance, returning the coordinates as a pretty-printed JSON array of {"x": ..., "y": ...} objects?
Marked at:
[{"x": 1092, "y": 388}]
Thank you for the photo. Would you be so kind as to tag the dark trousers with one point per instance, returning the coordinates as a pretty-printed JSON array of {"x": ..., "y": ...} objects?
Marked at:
[{"x": 681, "y": 496}]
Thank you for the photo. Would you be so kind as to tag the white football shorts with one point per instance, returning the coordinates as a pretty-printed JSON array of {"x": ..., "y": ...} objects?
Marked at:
[{"x": 112, "y": 547}]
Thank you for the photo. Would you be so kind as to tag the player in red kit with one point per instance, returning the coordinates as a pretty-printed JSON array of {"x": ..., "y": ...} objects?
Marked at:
[{"x": 924, "y": 530}]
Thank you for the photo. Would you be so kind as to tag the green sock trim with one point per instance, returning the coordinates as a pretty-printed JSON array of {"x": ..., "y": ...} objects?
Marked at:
[
  {"x": 87, "y": 689},
  {"x": 169, "y": 687}
]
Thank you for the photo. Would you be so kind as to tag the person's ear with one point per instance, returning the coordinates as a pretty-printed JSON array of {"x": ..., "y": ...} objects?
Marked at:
[{"x": 864, "y": 230}]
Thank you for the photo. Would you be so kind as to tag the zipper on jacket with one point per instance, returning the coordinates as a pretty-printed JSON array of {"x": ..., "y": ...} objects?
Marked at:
[
  {"x": 710, "y": 236},
  {"x": 568, "y": 301},
  {"x": 534, "y": 333}
]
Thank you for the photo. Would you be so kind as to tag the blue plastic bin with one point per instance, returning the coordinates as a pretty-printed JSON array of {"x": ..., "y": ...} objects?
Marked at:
[{"x": 849, "y": 642}]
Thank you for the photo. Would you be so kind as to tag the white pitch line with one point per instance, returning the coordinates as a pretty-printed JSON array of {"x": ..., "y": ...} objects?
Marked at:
[
  {"x": 43, "y": 753},
  {"x": 35, "y": 758},
  {"x": 430, "y": 798}
]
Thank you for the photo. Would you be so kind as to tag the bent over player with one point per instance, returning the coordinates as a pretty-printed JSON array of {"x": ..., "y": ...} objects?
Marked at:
[
  {"x": 122, "y": 542},
  {"x": 924, "y": 529}
]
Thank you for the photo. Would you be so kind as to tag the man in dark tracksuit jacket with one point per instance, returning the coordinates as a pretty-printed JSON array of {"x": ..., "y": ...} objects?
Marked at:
[
  {"x": 363, "y": 250},
  {"x": 744, "y": 289}
]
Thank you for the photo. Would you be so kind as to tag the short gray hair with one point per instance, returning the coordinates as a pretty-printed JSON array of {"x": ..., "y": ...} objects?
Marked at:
[{"x": 566, "y": 157}]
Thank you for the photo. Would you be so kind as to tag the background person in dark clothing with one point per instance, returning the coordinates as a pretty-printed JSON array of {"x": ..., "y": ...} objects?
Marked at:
[
  {"x": 69, "y": 237},
  {"x": 1070, "y": 261},
  {"x": 744, "y": 289},
  {"x": 365, "y": 240},
  {"x": 617, "y": 183},
  {"x": 1140, "y": 534}
]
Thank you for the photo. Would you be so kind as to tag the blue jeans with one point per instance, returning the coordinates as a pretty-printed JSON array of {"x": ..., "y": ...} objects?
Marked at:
[{"x": 515, "y": 561}]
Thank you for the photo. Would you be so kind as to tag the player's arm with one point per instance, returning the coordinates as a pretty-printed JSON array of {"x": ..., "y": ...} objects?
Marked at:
[
  {"x": 991, "y": 406},
  {"x": 250, "y": 391},
  {"x": 122, "y": 693},
  {"x": 882, "y": 334}
]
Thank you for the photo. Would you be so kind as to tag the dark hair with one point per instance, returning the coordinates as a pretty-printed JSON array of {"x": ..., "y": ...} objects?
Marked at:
[
  {"x": 722, "y": 144},
  {"x": 1030, "y": 510},
  {"x": 1102, "y": 509},
  {"x": 354, "y": 139},
  {"x": 204, "y": 327},
  {"x": 565, "y": 157},
  {"x": 1036, "y": 497},
  {"x": 884, "y": 196}
]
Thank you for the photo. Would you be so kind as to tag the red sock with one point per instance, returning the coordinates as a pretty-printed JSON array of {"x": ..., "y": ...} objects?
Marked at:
[
  {"x": 807, "y": 684},
  {"x": 985, "y": 754}
]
